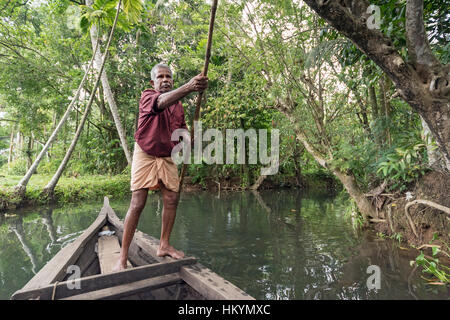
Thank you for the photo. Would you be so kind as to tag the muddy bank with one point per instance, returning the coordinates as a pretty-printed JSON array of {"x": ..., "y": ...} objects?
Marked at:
[
  {"x": 314, "y": 183},
  {"x": 427, "y": 220}
]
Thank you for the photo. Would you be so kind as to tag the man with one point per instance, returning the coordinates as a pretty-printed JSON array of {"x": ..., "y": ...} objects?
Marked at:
[{"x": 160, "y": 113}]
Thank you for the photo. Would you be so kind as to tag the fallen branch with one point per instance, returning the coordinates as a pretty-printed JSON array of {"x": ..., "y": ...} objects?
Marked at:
[
  {"x": 425, "y": 202},
  {"x": 429, "y": 246}
]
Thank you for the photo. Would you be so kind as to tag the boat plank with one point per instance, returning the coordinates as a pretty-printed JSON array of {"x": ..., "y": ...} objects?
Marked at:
[
  {"x": 135, "y": 253},
  {"x": 85, "y": 259},
  {"x": 128, "y": 289},
  {"x": 93, "y": 268},
  {"x": 109, "y": 253},
  {"x": 97, "y": 282},
  {"x": 210, "y": 284}
]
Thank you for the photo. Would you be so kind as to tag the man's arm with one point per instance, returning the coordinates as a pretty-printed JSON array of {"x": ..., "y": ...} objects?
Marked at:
[{"x": 198, "y": 83}]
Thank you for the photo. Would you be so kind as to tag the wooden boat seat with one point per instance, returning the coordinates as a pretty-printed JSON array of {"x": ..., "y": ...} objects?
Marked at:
[
  {"x": 109, "y": 252},
  {"x": 128, "y": 289}
]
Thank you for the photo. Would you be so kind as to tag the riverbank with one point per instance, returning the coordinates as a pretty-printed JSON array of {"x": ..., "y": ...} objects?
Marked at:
[
  {"x": 68, "y": 190},
  {"x": 426, "y": 224},
  {"x": 93, "y": 187}
]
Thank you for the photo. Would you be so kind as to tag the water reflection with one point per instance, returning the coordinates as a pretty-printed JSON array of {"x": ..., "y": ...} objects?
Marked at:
[
  {"x": 29, "y": 239},
  {"x": 16, "y": 226},
  {"x": 273, "y": 244}
]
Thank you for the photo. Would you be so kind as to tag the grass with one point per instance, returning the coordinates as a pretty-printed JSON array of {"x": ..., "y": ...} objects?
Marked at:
[{"x": 68, "y": 190}]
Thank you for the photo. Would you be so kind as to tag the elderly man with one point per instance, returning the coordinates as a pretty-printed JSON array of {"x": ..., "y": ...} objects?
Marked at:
[{"x": 160, "y": 113}]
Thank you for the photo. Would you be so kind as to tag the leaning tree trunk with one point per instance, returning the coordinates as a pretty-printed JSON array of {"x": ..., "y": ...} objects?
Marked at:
[
  {"x": 424, "y": 83},
  {"x": 11, "y": 146},
  {"x": 22, "y": 185},
  {"x": 49, "y": 189},
  {"x": 109, "y": 95},
  {"x": 347, "y": 180},
  {"x": 258, "y": 182},
  {"x": 29, "y": 151}
]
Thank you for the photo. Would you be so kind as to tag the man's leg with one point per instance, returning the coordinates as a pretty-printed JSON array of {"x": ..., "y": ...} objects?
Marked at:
[
  {"x": 137, "y": 204},
  {"x": 170, "y": 202}
]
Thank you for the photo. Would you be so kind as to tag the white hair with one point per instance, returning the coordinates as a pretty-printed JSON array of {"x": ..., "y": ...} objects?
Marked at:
[{"x": 156, "y": 67}]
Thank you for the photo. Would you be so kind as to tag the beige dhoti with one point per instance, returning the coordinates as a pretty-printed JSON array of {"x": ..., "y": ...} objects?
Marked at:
[{"x": 147, "y": 171}]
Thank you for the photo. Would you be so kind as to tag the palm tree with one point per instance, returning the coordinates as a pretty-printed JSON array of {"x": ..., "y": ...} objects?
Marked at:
[
  {"x": 49, "y": 189},
  {"x": 107, "y": 88},
  {"x": 22, "y": 185}
]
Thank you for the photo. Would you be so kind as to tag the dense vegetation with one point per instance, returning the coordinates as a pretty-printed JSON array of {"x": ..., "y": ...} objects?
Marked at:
[{"x": 342, "y": 109}]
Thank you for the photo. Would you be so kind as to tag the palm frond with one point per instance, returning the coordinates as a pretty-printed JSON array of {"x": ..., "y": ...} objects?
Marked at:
[{"x": 324, "y": 51}]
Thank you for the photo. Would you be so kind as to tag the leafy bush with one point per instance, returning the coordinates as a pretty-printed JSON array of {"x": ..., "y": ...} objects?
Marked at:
[
  {"x": 15, "y": 168},
  {"x": 404, "y": 165},
  {"x": 48, "y": 167}
]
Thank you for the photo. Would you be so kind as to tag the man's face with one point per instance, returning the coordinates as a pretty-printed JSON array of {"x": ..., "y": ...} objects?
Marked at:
[{"x": 163, "y": 81}]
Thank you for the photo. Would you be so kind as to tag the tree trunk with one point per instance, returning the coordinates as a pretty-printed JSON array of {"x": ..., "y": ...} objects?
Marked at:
[
  {"x": 424, "y": 84},
  {"x": 435, "y": 159},
  {"x": 138, "y": 81},
  {"x": 373, "y": 102},
  {"x": 385, "y": 110},
  {"x": 49, "y": 189},
  {"x": 22, "y": 185},
  {"x": 363, "y": 204},
  {"x": 258, "y": 182},
  {"x": 297, "y": 165},
  {"x": 108, "y": 93},
  {"x": 29, "y": 151},
  {"x": 11, "y": 146},
  {"x": 347, "y": 180}
]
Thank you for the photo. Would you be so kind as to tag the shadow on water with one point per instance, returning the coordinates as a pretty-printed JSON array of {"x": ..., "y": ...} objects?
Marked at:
[{"x": 273, "y": 245}]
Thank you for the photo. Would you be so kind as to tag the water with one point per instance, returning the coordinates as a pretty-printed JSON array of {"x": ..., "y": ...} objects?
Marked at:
[{"x": 273, "y": 245}]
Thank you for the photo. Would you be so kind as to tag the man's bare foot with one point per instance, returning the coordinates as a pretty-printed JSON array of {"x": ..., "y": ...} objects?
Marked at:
[
  {"x": 170, "y": 251},
  {"x": 120, "y": 266}
]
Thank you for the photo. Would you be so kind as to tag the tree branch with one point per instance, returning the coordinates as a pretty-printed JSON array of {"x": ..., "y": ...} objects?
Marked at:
[
  {"x": 418, "y": 46},
  {"x": 372, "y": 42}
]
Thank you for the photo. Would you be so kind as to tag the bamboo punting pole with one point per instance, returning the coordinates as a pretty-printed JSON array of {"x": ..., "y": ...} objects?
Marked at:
[{"x": 198, "y": 101}]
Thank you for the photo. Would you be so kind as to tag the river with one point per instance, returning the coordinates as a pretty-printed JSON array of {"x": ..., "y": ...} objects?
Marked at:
[{"x": 277, "y": 244}]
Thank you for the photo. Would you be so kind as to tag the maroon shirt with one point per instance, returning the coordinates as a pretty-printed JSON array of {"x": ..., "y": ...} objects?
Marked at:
[{"x": 155, "y": 126}]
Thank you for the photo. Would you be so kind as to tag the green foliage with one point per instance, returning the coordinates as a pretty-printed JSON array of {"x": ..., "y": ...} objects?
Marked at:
[
  {"x": 69, "y": 189},
  {"x": 105, "y": 11},
  {"x": 351, "y": 212},
  {"x": 398, "y": 237},
  {"x": 403, "y": 165},
  {"x": 431, "y": 265},
  {"x": 16, "y": 167}
]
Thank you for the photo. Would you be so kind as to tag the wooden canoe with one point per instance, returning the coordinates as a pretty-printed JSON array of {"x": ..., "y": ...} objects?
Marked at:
[{"x": 83, "y": 270}]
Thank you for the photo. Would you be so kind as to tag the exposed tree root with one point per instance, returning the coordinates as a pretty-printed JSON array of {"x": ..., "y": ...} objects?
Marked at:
[{"x": 425, "y": 202}]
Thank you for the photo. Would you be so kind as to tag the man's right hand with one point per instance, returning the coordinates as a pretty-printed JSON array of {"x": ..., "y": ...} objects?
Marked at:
[{"x": 198, "y": 83}]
